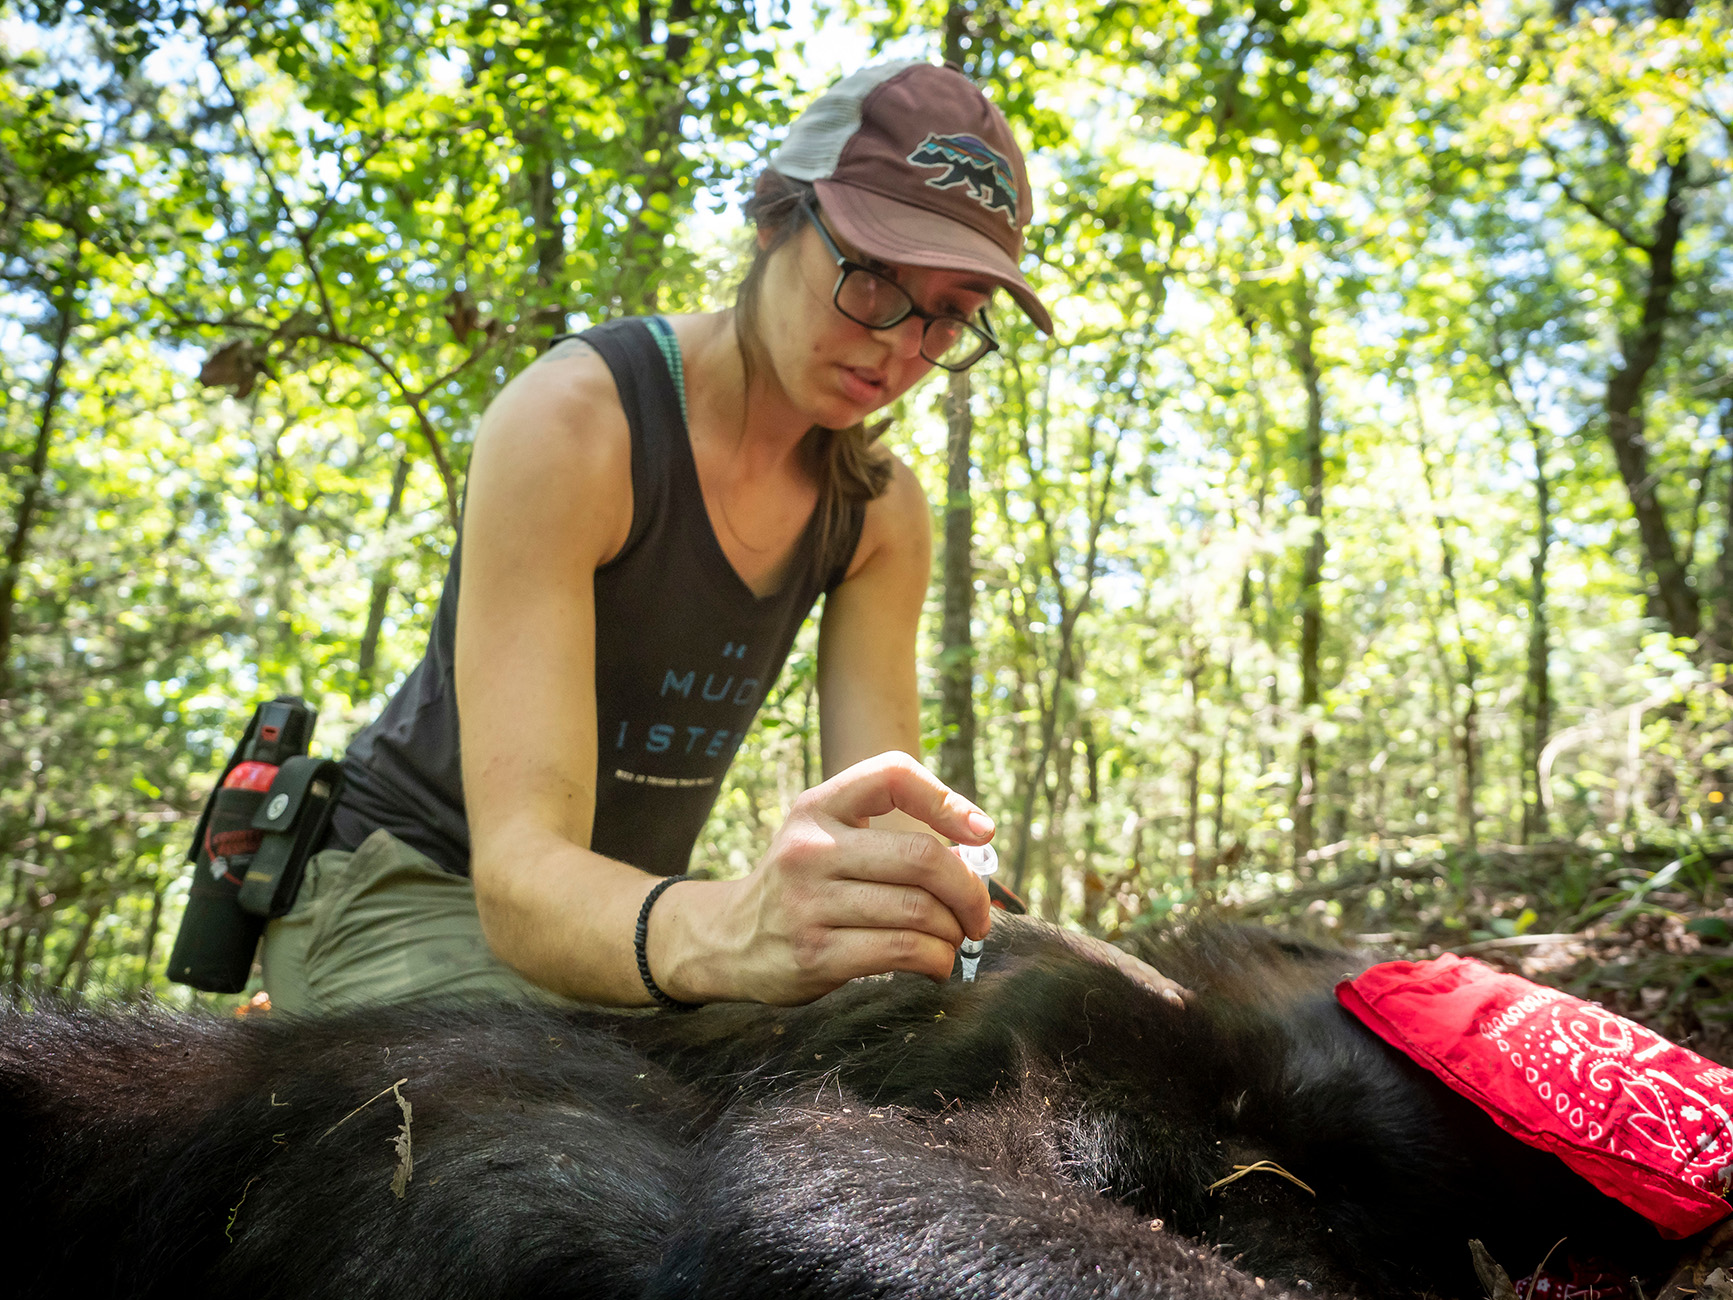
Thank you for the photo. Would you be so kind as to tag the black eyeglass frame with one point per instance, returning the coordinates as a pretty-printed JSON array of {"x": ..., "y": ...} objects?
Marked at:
[{"x": 847, "y": 267}]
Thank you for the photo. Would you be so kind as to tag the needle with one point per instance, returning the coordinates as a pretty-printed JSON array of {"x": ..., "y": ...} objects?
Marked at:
[{"x": 983, "y": 862}]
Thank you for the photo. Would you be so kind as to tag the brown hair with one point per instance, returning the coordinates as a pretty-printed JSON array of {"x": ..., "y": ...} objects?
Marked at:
[{"x": 850, "y": 464}]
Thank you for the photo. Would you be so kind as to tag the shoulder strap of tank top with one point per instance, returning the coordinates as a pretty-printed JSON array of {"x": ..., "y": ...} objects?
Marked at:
[
  {"x": 654, "y": 405},
  {"x": 644, "y": 358}
]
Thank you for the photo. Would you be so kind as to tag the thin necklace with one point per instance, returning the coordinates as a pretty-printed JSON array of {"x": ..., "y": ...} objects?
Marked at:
[
  {"x": 722, "y": 508},
  {"x": 722, "y": 505},
  {"x": 721, "y": 497}
]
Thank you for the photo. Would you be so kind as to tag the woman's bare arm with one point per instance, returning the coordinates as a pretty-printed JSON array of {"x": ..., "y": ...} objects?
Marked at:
[{"x": 549, "y": 500}]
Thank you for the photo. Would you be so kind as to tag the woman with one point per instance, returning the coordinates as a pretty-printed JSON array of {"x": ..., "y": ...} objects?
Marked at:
[{"x": 652, "y": 509}]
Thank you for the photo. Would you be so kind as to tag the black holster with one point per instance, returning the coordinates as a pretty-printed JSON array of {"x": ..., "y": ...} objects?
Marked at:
[{"x": 251, "y": 847}]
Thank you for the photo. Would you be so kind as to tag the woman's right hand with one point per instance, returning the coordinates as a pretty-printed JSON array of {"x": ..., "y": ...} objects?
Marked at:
[{"x": 833, "y": 898}]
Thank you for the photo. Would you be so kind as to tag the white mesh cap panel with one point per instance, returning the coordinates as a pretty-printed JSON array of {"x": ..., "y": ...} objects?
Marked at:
[{"x": 816, "y": 139}]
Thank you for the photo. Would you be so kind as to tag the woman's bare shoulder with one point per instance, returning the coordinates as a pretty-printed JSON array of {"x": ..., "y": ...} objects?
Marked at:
[
  {"x": 564, "y": 401},
  {"x": 897, "y": 526},
  {"x": 557, "y": 433}
]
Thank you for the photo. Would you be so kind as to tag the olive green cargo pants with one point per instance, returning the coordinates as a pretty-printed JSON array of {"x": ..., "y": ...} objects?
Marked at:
[{"x": 383, "y": 924}]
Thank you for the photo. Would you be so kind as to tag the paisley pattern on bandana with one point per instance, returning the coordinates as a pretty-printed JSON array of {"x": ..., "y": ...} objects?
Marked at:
[
  {"x": 1648, "y": 1122},
  {"x": 1622, "y": 1087}
]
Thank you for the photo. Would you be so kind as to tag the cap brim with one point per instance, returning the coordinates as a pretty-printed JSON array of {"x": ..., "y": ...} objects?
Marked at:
[{"x": 894, "y": 231}]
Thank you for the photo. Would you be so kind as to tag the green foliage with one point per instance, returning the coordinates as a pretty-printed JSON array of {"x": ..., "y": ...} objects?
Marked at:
[{"x": 1341, "y": 287}]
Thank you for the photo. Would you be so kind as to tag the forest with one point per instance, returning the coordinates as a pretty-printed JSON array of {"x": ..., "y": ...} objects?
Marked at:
[{"x": 1358, "y": 552}]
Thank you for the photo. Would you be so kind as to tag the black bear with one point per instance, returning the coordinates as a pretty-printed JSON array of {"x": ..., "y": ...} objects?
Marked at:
[{"x": 1056, "y": 1128}]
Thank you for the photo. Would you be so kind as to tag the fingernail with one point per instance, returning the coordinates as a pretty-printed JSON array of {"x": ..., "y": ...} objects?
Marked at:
[
  {"x": 980, "y": 823},
  {"x": 1172, "y": 997}
]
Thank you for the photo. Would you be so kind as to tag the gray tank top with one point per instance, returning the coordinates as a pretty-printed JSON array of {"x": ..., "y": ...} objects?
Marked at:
[{"x": 685, "y": 654}]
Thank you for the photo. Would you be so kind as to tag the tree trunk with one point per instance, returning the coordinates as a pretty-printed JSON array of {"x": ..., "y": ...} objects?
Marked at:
[
  {"x": 1640, "y": 351},
  {"x": 1195, "y": 861},
  {"x": 35, "y": 471},
  {"x": 809, "y": 766},
  {"x": 1053, "y": 843},
  {"x": 1723, "y": 640},
  {"x": 1311, "y": 582},
  {"x": 147, "y": 949},
  {"x": 35, "y": 955},
  {"x": 544, "y": 205},
  {"x": 85, "y": 963},
  {"x": 1537, "y": 693},
  {"x": 1464, "y": 730},
  {"x": 1094, "y": 883},
  {"x": 956, "y": 638},
  {"x": 92, "y": 915},
  {"x": 956, "y": 644},
  {"x": 367, "y": 659},
  {"x": 16, "y": 955},
  {"x": 666, "y": 102},
  {"x": 1218, "y": 822},
  {"x": 1064, "y": 673},
  {"x": 1066, "y": 669}
]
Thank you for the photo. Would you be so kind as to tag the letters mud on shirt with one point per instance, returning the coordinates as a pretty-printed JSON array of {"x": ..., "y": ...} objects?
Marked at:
[{"x": 685, "y": 654}]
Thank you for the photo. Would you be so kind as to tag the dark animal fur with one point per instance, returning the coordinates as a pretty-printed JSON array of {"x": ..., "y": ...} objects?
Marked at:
[{"x": 1015, "y": 1137}]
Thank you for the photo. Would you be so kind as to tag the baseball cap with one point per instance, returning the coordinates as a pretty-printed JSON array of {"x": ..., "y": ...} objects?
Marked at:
[{"x": 913, "y": 164}]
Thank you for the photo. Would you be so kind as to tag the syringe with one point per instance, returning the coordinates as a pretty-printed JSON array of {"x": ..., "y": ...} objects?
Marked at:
[{"x": 983, "y": 862}]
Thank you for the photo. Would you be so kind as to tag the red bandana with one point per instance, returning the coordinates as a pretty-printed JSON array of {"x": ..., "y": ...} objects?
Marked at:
[{"x": 1644, "y": 1120}]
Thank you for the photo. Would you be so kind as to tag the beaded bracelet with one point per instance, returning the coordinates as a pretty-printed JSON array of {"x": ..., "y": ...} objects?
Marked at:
[{"x": 639, "y": 938}]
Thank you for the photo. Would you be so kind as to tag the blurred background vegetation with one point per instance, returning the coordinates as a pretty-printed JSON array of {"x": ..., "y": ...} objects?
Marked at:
[{"x": 1360, "y": 550}]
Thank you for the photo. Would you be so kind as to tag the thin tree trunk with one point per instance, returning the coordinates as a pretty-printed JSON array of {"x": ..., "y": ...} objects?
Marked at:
[
  {"x": 1311, "y": 583},
  {"x": 544, "y": 205},
  {"x": 643, "y": 242},
  {"x": 1464, "y": 730},
  {"x": 35, "y": 952},
  {"x": 1537, "y": 691},
  {"x": 809, "y": 767},
  {"x": 1065, "y": 671},
  {"x": 1218, "y": 823},
  {"x": 1640, "y": 351},
  {"x": 15, "y": 957},
  {"x": 956, "y": 639},
  {"x": 1723, "y": 640},
  {"x": 1537, "y": 688},
  {"x": 147, "y": 949},
  {"x": 956, "y": 648},
  {"x": 368, "y": 658},
  {"x": 1064, "y": 674},
  {"x": 1053, "y": 843},
  {"x": 1195, "y": 863},
  {"x": 1094, "y": 884},
  {"x": 92, "y": 915},
  {"x": 35, "y": 471},
  {"x": 82, "y": 978}
]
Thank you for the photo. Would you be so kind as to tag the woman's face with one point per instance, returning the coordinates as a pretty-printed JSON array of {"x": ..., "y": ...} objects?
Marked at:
[{"x": 830, "y": 368}]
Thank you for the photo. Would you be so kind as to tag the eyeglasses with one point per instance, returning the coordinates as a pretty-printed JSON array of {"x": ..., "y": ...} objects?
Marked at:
[{"x": 869, "y": 298}]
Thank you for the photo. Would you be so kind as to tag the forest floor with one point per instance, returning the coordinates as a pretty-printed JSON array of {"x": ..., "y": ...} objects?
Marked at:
[{"x": 1644, "y": 929}]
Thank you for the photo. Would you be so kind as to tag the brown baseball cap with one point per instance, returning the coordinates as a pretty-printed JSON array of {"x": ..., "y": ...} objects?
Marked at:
[{"x": 914, "y": 165}]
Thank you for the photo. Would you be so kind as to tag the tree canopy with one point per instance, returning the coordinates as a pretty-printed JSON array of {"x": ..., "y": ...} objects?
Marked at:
[{"x": 1362, "y": 540}]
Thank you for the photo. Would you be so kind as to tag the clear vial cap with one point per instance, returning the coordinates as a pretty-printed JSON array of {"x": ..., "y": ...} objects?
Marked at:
[{"x": 981, "y": 860}]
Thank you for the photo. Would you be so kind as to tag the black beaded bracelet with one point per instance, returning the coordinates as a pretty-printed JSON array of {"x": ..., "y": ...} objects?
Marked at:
[{"x": 642, "y": 935}]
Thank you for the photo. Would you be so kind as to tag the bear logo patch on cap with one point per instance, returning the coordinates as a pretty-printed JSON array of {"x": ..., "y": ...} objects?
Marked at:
[{"x": 969, "y": 161}]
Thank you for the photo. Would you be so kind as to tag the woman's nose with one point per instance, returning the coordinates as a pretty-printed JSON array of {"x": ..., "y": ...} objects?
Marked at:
[{"x": 905, "y": 336}]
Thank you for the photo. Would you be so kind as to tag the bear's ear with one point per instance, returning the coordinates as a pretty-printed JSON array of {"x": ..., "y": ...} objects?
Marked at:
[
  {"x": 1135, "y": 969},
  {"x": 1646, "y": 1121}
]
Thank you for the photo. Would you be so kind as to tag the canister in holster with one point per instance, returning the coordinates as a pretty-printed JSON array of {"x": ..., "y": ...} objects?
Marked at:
[{"x": 267, "y": 813}]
